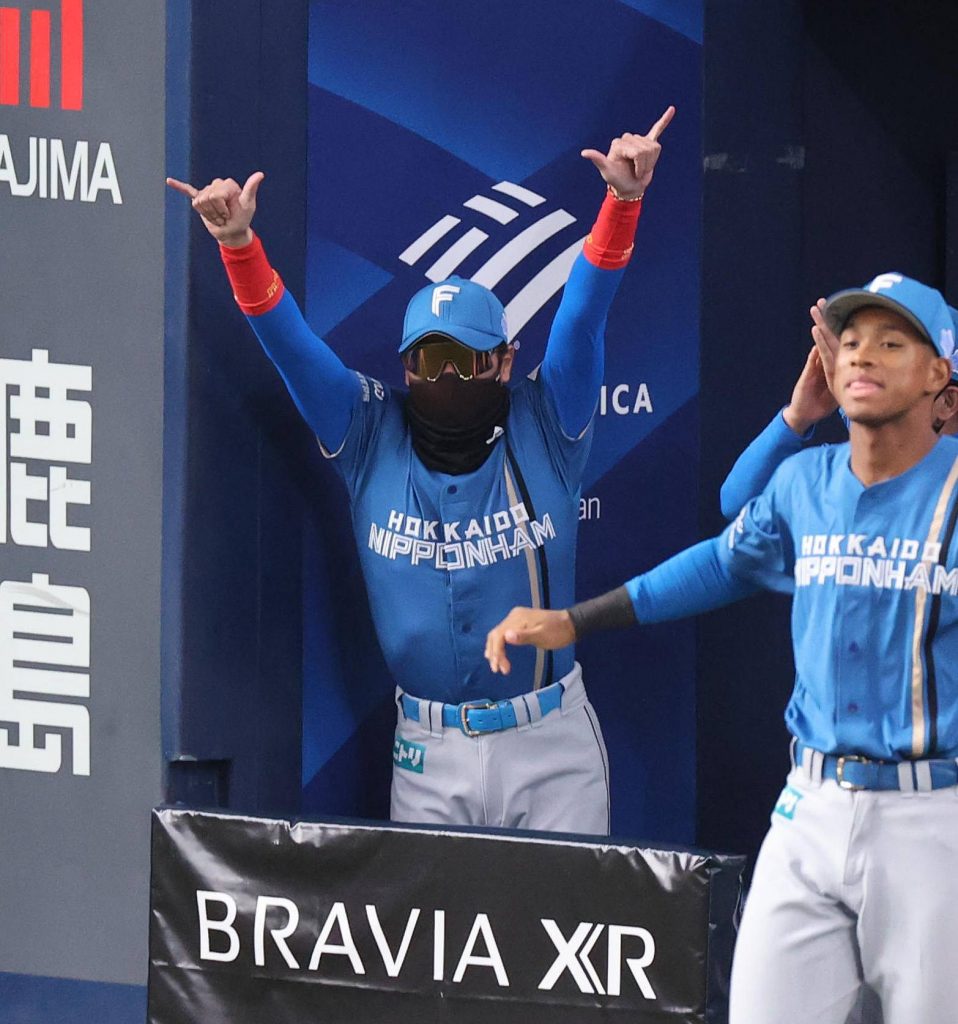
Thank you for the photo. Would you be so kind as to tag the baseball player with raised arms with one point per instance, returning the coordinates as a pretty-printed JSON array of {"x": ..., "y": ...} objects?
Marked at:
[
  {"x": 464, "y": 498},
  {"x": 856, "y": 882}
]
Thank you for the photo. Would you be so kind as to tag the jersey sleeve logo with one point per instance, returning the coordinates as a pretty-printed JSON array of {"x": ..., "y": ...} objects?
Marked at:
[
  {"x": 737, "y": 529},
  {"x": 371, "y": 388}
]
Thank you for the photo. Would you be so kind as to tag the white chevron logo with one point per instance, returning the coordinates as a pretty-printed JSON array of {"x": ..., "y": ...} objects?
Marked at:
[{"x": 537, "y": 291}]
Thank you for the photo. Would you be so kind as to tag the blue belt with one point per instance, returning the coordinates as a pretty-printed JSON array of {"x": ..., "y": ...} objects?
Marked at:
[
  {"x": 475, "y": 717},
  {"x": 853, "y": 771}
]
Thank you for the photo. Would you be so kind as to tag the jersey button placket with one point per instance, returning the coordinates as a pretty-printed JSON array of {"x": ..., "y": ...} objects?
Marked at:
[
  {"x": 855, "y": 612},
  {"x": 852, "y": 707}
]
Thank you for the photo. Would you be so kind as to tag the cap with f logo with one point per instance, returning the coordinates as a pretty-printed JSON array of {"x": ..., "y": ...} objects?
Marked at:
[
  {"x": 458, "y": 309},
  {"x": 923, "y": 307}
]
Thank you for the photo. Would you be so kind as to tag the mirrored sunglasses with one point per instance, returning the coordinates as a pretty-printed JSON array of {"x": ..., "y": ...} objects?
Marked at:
[{"x": 428, "y": 359}]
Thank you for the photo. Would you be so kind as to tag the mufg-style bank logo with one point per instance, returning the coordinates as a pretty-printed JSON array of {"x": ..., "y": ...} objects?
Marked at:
[
  {"x": 445, "y": 245},
  {"x": 27, "y": 42}
]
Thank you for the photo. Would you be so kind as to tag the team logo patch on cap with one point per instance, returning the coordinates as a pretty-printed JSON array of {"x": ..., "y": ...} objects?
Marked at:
[
  {"x": 408, "y": 755},
  {"x": 444, "y": 293},
  {"x": 947, "y": 342},
  {"x": 883, "y": 281}
]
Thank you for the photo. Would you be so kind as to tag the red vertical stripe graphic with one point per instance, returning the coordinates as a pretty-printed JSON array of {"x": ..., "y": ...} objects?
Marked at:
[
  {"x": 71, "y": 54},
  {"x": 9, "y": 56},
  {"x": 40, "y": 59}
]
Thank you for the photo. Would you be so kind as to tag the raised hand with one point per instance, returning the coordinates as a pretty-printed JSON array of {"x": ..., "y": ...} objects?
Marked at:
[
  {"x": 540, "y": 627},
  {"x": 812, "y": 399},
  {"x": 226, "y": 208},
  {"x": 825, "y": 340},
  {"x": 631, "y": 159}
]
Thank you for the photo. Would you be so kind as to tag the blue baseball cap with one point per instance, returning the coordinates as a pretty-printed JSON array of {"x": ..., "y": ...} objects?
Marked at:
[
  {"x": 462, "y": 310},
  {"x": 923, "y": 307}
]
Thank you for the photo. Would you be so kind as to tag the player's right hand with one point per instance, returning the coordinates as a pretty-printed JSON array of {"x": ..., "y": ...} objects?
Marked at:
[
  {"x": 812, "y": 399},
  {"x": 227, "y": 210},
  {"x": 825, "y": 341},
  {"x": 541, "y": 627}
]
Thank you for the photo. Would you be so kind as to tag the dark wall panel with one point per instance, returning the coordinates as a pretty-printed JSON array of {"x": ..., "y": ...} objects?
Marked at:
[
  {"x": 827, "y": 139},
  {"x": 233, "y": 684},
  {"x": 752, "y": 349}
]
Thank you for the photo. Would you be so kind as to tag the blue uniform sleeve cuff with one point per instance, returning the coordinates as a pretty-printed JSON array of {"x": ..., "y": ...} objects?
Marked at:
[{"x": 788, "y": 433}]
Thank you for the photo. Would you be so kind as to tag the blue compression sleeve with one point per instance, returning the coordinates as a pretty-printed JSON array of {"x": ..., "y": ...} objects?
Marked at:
[
  {"x": 754, "y": 467},
  {"x": 575, "y": 355},
  {"x": 689, "y": 583},
  {"x": 324, "y": 389}
]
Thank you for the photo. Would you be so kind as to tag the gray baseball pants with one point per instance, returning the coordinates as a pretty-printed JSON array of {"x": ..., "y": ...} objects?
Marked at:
[
  {"x": 549, "y": 773},
  {"x": 853, "y": 892}
]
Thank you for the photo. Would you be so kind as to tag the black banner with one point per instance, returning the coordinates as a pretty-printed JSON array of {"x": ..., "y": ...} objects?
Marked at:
[{"x": 256, "y": 920}]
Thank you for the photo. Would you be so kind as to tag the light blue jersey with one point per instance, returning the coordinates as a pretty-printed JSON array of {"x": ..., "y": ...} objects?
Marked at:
[
  {"x": 445, "y": 557},
  {"x": 875, "y": 608}
]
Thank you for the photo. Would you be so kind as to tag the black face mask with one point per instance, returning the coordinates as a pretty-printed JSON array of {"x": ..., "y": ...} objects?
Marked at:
[{"x": 453, "y": 421}]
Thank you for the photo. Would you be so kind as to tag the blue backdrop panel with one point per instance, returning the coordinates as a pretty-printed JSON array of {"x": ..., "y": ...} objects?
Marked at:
[{"x": 413, "y": 111}]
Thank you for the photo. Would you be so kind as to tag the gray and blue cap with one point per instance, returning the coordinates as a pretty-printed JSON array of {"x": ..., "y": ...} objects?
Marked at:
[{"x": 923, "y": 307}]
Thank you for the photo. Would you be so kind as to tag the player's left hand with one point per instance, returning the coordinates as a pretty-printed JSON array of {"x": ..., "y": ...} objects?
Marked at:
[
  {"x": 227, "y": 208},
  {"x": 541, "y": 627},
  {"x": 630, "y": 162}
]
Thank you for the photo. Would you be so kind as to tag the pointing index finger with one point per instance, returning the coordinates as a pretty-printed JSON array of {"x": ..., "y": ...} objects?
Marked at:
[
  {"x": 661, "y": 124},
  {"x": 183, "y": 186}
]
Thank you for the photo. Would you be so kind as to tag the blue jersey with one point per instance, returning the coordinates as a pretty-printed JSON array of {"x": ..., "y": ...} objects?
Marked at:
[
  {"x": 875, "y": 611},
  {"x": 446, "y": 557}
]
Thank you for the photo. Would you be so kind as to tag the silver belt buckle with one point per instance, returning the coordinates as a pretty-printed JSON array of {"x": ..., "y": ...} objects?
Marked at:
[
  {"x": 840, "y": 771},
  {"x": 464, "y": 709}
]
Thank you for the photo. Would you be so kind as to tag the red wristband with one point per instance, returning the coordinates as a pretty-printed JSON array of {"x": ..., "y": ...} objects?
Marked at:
[
  {"x": 610, "y": 242},
  {"x": 257, "y": 288}
]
